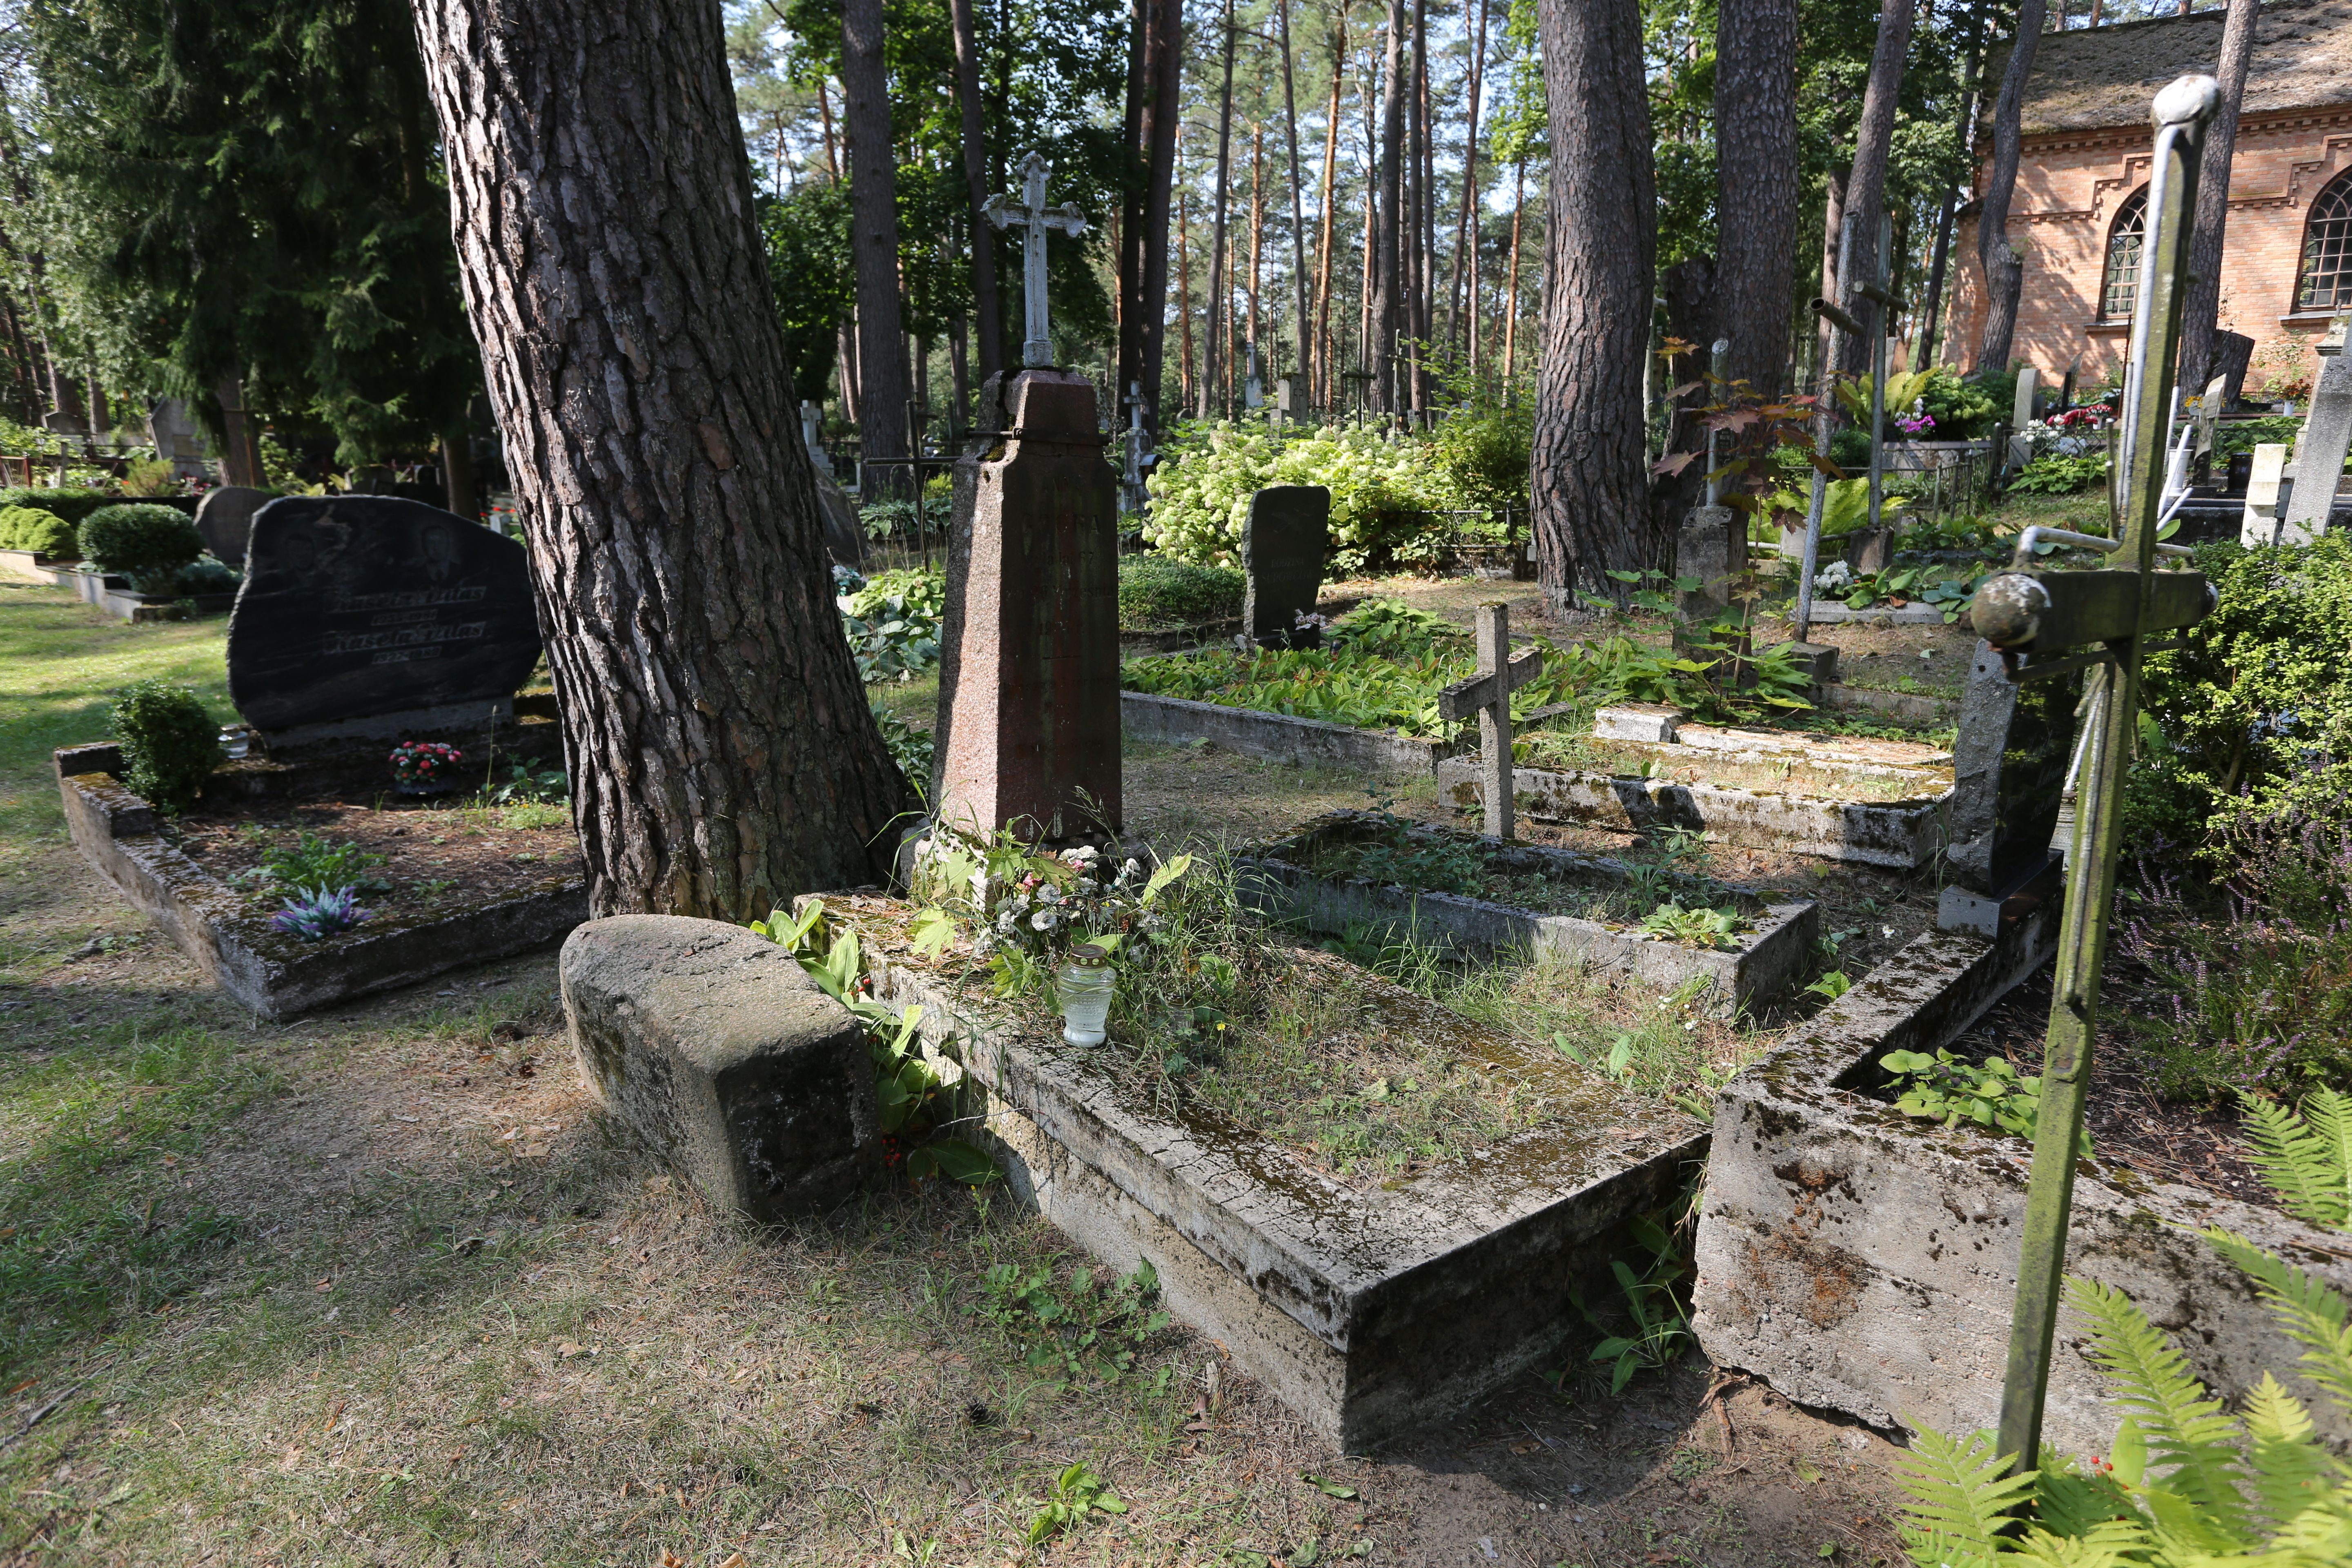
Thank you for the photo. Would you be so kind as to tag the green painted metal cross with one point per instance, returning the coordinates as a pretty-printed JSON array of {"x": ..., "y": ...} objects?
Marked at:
[
  {"x": 1488, "y": 695},
  {"x": 2049, "y": 622}
]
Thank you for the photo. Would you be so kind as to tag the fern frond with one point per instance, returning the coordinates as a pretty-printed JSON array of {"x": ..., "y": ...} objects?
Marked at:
[
  {"x": 2328, "y": 1113},
  {"x": 2319, "y": 1537},
  {"x": 2066, "y": 1503},
  {"x": 2300, "y": 1164},
  {"x": 2188, "y": 1434},
  {"x": 2291, "y": 1471},
  {"x": 1961, "y": 1500},
  {"x": 2115, "y": 1543},
  {"x": 2309, "y": 1311}
]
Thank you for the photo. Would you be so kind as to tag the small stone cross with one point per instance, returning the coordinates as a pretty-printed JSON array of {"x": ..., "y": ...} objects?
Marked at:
[
  {"x": 1136, "y": 438},
  {"x": 1034, "y": 215},
  {"x": 1488, "y": 695}
]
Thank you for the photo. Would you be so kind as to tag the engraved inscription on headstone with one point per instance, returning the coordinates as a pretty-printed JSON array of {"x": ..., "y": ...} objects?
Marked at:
[{"x": 370, "y": 607}]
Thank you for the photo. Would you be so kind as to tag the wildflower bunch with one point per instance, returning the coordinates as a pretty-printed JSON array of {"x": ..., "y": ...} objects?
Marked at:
[{"x": 1008, "y": 898}]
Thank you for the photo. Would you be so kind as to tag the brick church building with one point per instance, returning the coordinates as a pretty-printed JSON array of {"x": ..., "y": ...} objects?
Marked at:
[{"x": 2082, "y": 191}]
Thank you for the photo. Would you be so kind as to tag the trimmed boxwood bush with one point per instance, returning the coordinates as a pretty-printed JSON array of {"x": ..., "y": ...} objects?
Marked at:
[
  {"x": 31, "y": 528},
  {"x": 148, "y": 543},
  {"x": 1160, "y": 590},
  {"x": 168, "y": 742},
  {"x": 73, "y": 505}
]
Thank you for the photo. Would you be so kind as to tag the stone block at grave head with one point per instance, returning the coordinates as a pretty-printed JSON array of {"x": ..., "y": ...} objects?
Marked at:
[
  {"x": 1283, "y": 541},
  {"x": 364, "y": 617},
  {"x": 710, "y": 1046},
  {"x": 1029, "y": 706},
  {"x": 845, "y": 540},
  {"x": 224, "y": 517},
  {"x": 2009, "y": 768},
  {"x": 1650, "y": 722},
  {"x": 1712, "y": 546}
]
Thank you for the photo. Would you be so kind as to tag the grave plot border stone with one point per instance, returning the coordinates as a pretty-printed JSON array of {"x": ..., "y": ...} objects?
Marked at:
[
  {"x": 275, "y": 975},
  {"x": 1277, "y": 737},
  {"x": 1899, "y": 835},
  {"x": 1860, "y": 1260},
  {"x": 1369, "y": 1311},
  {"x": 1273, "y": 881},
  {"x": 29, "y": 566}
]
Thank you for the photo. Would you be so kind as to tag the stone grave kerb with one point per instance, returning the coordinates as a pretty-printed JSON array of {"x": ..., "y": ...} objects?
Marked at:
[
  {"x": 1282, "y": 544},
  {"x": 1029, "y": 716}
]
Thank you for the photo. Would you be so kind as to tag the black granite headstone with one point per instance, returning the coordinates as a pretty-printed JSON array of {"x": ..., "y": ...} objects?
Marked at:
[
  {"x": 2010, "y": 759},
  {"x": 224, "y": 517},
  {"x": 366, "y": 615},
  {"x": 1283, "y": 544}
]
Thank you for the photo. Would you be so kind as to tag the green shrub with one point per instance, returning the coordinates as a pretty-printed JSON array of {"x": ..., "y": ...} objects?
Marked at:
[
  {"x": 31, "y": 528},
  {"x": 169, "y": 743},
  {"x": 893, "y": 620},
  {"x": 1963, "y": 410},
  {"x": 148, "y": 543},
  {"x": 2245, "y": 434},
  {"x": 2060, "y": 476},
  {"x": 1159, "y": 591},
  {"x": 73, "y": 503},
  {"x": 205, "y": 574},
  {"x": 1383, "y": 493}
]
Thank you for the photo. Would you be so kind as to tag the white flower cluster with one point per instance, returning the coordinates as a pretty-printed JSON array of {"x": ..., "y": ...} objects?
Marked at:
[{"x": 1837, "y": 579}]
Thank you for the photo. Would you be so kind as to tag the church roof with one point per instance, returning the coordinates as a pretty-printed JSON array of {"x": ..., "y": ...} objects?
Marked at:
[{"x": 2098, "y": 76}]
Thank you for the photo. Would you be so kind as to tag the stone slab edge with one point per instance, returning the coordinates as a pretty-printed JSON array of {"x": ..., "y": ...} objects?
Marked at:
[
  {"x": 1833, "y": 614},
  {"x": 1277, "y": 737},
  {"x": 1902, "y": 835},
  {"x": 274, "y": 975},
  {"x": 1767, "y": 960},
  {"x": 1861, "y": 1261},
  {"x": 1369, "y": 1312}
]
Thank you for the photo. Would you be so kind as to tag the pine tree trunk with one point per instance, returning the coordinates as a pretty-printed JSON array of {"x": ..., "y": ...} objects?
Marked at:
[
  {"x": 721, "y": 752},
  {"x": 1220, "y": 280},
  {"x": 1756, "y": 172},
  {"x": 874, "y": 246},
  {"x": 1324, "y": 392},
  {"x": 1511, "y": 293},
  {"x": 1833, "y": 227},
  {"x": 1387, "y": 248},
  {"x": 1163, "y": 108},
  {"x": 2004, "y": 269},
  {"x": 1300, "y": 320},
  {"x": 1590, "y": 478},
  {"x": 1185, "y": 382},
  {"x": 987, "y": 312},
  {"x": 1464, "y": 253},
  {"x": 1866, "y": 192},
  {"x": 1939, "y": 266},
  {"x": 2201, "y": 310}
]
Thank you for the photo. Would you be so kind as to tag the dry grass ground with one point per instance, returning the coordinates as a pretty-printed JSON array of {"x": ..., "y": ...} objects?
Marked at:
[{"x": 377, "y": 1286}]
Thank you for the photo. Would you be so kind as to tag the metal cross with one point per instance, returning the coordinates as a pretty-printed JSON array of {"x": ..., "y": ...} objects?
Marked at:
[
  {"x": 1034, "y": 215},
  {"x": 1488, "y": 695},
  {"x": 2034, "y": 618}
]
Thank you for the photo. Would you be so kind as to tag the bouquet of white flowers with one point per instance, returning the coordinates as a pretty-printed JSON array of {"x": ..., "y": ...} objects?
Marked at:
[{"x": 1044, "y": 906}]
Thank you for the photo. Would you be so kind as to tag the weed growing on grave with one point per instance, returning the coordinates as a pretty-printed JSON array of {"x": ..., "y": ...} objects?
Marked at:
[
  {"x": 2185, "y": 1484},
  {"x": 1989, "y": 1094},
  {"x": 1648, "y": 1327},
  {"x": 1076, "y": 1492},
  {"x": 548, "y": 787},
  {"x": 892, "y": 620},
  {"x": 1157, "y": 591},
  {"x": 312, "y": 865},
  {"x": 1075, "y": 1326}
]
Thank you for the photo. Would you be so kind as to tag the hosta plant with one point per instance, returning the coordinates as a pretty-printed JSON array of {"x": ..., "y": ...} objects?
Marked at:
[{"x": 2186, "y": 1485}]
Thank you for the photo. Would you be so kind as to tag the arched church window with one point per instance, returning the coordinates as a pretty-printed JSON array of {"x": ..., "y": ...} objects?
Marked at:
[
  {"x": 2121, "y": 290},
  {"x": 2327, "y": 249}
]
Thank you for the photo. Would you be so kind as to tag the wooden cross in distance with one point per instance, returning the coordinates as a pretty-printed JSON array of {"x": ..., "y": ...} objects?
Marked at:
[{"x": 1488, "y": 695}]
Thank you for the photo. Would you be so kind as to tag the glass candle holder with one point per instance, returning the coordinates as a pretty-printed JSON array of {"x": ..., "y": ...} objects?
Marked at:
[{"x": 1085, "y": 990}]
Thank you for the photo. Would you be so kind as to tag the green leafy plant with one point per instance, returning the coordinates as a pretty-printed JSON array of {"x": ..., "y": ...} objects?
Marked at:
[
  {"x": 2236, "y": 436},
  {"x": 1075, "y": 1325},
  {"x": 544, "y": 786},
  {"x": 1393, "y": 854},
  {"x": 2306, "y": 1159},
  {"x": 1989, "y": 1094},
  {"x": 892, "y": 620},
  {"x": 149, "y": 544},
  {"x": 2060, "y": 476},
  {"x": 170, "y": 745},
  {"x": 2186, "y": 1485},
  {"x": 313, "y": 865},
  {"x": 1157, "y": 590},
  {"x": 1658, "y": 1326},
  {"x": 32, "y": 527},
  {"x": 911, "y": 748},
  {"x": 1076, "y": 1493},
  {"x": 1700, "y": 926}
]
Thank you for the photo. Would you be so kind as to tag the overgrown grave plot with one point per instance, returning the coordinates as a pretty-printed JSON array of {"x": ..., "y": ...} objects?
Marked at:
[
  {"x": 1370, "y": 875},
  {"x": 1376, "y": 1203}
]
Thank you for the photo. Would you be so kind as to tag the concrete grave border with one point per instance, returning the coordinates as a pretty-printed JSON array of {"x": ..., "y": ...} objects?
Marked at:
[
  {"x": 275, "y": 975},
  {"x": 1370, "y": 1310},
  {"x": 1768, "y": 960},
  {"x": 1863, "y": 1261},
  {"x": 1277, "y": 737},
  {"x": 1901, "y": 835}
]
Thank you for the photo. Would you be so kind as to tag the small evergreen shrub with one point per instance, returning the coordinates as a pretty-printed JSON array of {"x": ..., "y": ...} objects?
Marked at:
[
  {"x": 207, "y": 575},
  {"x": 169, "y": 743},
  {"x": 31, "y": 528},
  {"x": 148, "y": 543},
  {"x": 73, "y": 503},
  {"x": 1159, "y": 591}
]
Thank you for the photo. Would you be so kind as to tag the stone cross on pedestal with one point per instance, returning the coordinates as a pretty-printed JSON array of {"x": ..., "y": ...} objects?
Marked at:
[
  {"x": 812, "y": 422},
  {"x": 1036, "y": 218},
  {"x": 1488, "y": 695},
  {"x": 1254, "y": 386},
  {"x": 1132, "y": 493}
]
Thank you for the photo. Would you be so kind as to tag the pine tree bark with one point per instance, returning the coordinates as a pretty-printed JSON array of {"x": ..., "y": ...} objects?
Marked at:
[
  {"x": 721, "y": 752},
  {"x": 2004, "y": 269},
  {"x": 1388, "y": 221},
  {"x": 1757, "y": 189},
  {"x": 1163, "y": 114},
  {"x": 987, "y": 312},
  {"x": 2202, "y": 309},
  {"x": 1220, "y": 281},
  {"x": 874, "y": 244},
  {"x": 1866, "y": 192},
  {"x": 1324, "y": 391},
  {"x": 1590, "y": 477},
  {"x": 1300, "y": 321}
]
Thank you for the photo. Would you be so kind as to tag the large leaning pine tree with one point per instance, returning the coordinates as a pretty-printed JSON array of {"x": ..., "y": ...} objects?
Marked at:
[
  {"x": 1590, "y": 477},
  {"x": 723, "y": 757}
]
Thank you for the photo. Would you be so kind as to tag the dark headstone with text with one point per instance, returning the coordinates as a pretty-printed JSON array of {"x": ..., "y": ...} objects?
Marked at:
[
  {"x": 364, "y": 615},
  {"x": 224, "y": 517},
  {"x": 1283, "y": 544}
]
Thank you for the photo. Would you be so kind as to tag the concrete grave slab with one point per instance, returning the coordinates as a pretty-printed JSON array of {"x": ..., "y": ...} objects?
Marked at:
[
  {"x": 1860, "y": 1260},
  {"x": 1370, "y": 1310},
  {"x": 715, "y": 1050}
]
